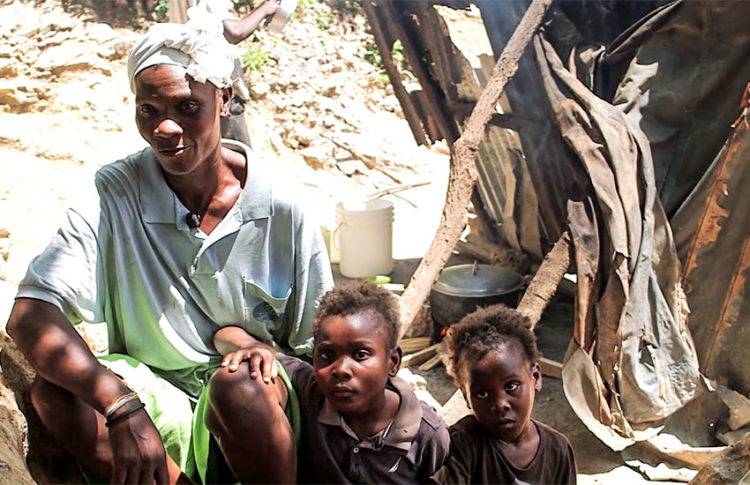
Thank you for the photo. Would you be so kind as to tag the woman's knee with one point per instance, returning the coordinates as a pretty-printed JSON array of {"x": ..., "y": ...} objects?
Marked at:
[{"x": 237, "y": 390}]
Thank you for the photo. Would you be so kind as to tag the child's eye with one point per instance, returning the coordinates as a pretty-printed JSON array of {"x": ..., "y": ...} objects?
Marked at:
[
  {"x": 324, "y": 354},
  {"x": 361, "y": 354},
  {"x": 481, "y": 394},
  {"x": 512, "y": 386}
]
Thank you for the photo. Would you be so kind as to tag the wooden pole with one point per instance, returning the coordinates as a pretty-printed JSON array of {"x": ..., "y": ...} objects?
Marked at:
[{"x": 463, "y": 172}]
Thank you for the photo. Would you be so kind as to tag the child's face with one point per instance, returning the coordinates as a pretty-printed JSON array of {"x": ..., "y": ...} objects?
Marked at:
[
  {"x": 352, "y": 362},
  {"x": 501, "y": 389}
]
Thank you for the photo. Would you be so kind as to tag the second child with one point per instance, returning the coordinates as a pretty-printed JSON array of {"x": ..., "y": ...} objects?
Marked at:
[{"x": 494, "y": 360}]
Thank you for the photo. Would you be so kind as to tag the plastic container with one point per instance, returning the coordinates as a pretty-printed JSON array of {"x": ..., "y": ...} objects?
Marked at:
[
  {"x": 364, "y": 237},
  {"x": 278, "y": 21}
]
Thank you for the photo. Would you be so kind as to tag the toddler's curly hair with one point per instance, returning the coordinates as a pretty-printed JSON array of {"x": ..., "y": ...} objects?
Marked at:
[
  {"x": 486, "y": 329},
  {"x": 360, "y": 297}
]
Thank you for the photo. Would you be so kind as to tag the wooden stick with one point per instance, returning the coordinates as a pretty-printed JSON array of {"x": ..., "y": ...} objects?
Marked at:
[
  {"x": 397, "y": 188},
  {"x": 463, "y": 172},
  {"x": 546, "y": 280},
  {"x": 421, "y": 356},
  {"x": 550, "y": 368},
  {"x": 411, "y": 345},
  {"x": 434, "y": 360}
]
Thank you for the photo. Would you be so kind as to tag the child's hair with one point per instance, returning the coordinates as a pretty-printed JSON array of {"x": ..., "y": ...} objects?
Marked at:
[
  {"x": 356, "y": 297},
  {"x": 469, "y": 340}
]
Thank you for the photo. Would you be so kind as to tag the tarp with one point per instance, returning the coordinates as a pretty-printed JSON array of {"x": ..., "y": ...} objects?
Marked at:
[{"x": 630, "y": 337}]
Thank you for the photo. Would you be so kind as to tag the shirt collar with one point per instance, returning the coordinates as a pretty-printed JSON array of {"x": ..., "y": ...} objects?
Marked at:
[
  {"x": 159, "y": 204},
  {"x": 405, "y": 425}
]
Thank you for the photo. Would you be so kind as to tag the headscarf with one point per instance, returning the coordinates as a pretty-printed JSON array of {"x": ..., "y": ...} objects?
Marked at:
[{"x": 198, "y": 45}]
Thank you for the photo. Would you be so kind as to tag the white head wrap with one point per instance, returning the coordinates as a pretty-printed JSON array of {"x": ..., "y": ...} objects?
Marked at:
[{"x": 198, "y": 45}]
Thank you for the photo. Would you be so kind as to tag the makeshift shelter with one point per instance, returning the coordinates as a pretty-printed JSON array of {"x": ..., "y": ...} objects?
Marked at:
[{"x": 624, "y": 127}]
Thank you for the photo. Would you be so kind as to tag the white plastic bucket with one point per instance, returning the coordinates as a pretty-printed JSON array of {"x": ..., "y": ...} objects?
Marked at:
[{"x": 364, "y": 237}]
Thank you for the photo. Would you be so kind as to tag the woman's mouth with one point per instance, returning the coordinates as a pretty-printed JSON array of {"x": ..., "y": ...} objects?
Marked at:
[{"x": 173, "y": 152}]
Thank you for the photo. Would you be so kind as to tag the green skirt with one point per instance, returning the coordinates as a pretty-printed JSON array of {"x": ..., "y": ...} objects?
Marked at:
[{"x": 180, "y": 421}]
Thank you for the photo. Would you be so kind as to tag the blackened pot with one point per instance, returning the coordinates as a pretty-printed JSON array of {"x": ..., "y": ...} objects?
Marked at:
[{"x": 463, "y": 288}]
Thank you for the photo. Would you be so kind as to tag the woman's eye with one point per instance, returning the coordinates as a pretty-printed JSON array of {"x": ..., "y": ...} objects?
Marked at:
[
  {"x": 146, "y": 110},
  {"x": 481, "y": 394},
  {"x": 189, "y": 107}
]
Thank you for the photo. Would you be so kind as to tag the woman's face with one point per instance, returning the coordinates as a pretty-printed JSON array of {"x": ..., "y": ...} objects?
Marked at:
[{"x": 179, "y": 118}]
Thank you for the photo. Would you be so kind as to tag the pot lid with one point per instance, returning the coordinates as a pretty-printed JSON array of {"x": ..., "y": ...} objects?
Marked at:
[{"x": 477, "y": 280}]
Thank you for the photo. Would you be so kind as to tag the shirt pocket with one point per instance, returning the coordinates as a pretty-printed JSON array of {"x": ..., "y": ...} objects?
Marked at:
[{"x": 261, "y": 307}]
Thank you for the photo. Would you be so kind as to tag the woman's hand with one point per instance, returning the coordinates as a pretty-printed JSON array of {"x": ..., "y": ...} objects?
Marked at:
[{"x": 137, "y": 451}]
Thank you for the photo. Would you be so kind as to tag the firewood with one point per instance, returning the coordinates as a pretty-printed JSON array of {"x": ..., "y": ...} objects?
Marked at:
[
  {"x": 411, "y": 345},
  {"x": 420, "y": 357}
]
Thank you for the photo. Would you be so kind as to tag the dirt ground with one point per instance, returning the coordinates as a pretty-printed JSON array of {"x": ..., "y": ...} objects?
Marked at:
[{"x": 50, "y": 153}]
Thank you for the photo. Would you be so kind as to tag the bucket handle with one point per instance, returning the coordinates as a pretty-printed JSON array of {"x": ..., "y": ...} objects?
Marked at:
[{"x": 334, "y": 239}]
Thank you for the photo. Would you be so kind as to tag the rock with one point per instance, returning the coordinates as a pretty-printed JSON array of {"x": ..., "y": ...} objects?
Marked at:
[
  {"x": 300, "y": 97},
  {"x": 729, "y": 467},
  {"x": 100, "y": 33},
  {"x": 8, "y": 68},
  {"x": 317, "y": 156},
  {"x": 259, "y": 90},
  {"x": 6, "y": 51},
  {"x": 113, "y": 50},
  {"x": 302, "y": 134},
  {"x": 68, "y": 58},
  {"x": 14, "y": 98}
]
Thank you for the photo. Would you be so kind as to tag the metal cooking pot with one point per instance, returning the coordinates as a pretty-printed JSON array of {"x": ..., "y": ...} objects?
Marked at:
[{"x": 463, "y": 288}]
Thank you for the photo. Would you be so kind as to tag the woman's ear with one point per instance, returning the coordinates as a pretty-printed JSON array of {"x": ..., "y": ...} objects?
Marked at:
[
  {"x": 226, "y": 99},
  {"x": 394, "y": 361}
]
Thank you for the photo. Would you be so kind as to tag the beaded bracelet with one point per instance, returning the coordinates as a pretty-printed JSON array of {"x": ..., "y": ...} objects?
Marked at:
[
  {"x": 120, "y": 417},
  {"x": 119, "y": 403}
]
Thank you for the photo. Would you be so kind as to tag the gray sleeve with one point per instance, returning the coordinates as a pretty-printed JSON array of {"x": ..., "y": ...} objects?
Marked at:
[
  {"x": 435, "y": 448},
  {"x": 66, "y": 273},
  {"x": 313, "y": 278}
]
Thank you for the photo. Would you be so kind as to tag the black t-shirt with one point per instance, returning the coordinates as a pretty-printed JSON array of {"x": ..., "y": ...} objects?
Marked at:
[{"x": 476, "y": 457}]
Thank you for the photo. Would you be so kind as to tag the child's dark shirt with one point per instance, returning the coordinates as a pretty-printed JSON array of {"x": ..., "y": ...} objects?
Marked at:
[
  {"x": 415, "y": 447},
  {"x": 476, "y": 457}
]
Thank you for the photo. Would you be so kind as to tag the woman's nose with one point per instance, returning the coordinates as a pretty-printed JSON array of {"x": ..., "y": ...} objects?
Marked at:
[{"x": 167, "y": 127}]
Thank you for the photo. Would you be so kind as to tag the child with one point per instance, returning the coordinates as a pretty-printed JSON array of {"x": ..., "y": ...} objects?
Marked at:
[
  {"x": 494, "y": 360},
  {"x": 361, "y": 423}
]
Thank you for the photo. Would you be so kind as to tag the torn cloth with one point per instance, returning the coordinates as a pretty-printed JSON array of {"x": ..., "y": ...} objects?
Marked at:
[{"x": 631, "y": 363}]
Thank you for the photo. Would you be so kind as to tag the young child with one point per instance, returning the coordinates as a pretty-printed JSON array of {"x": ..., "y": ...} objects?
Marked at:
[
  {"x": 494, "y": 360},
  {"x": 361, "y": 423}
]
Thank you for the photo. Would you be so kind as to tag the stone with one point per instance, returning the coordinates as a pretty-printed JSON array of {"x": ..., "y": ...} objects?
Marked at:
[
  {"x": 317, "y": 156},
  {"x": 14, "y": 98},
  {"x": 729, "y": 467},
  {"x": 8, "y": 68},
  {"x": 259, "y": 90},
  {"x": 68, "y": 58},
  {"x": 302, "y": 134}
]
